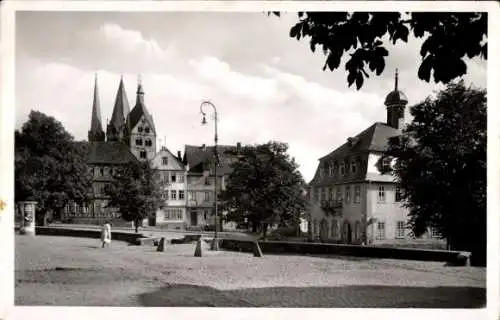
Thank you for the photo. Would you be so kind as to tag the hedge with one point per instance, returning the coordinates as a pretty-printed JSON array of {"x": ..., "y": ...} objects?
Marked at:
[{"x": 342, "y": 249}]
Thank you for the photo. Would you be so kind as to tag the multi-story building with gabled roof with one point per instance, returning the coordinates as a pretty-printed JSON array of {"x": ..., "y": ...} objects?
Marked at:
[{"x": 351, "y": 201}]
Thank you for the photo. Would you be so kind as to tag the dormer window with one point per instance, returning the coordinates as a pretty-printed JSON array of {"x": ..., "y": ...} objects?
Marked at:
[
  {"x": 386, "y": 163},
  {"x": 342, "y": 168},
  {"x": 164, "y": 161},
  {"x": 331, "y": 169},
  {"x": 139, "y": 129},
  {"x": 354, "y": 166},
  {"x": 146, "y": 129}
]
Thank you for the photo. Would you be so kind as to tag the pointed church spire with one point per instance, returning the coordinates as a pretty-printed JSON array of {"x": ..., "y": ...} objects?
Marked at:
[
  {"x": 116, "y": 127},
  {"x": 140, "y": 92},
  {"x": 96, "y": 132},
  {"x": 396, "y": 81}
]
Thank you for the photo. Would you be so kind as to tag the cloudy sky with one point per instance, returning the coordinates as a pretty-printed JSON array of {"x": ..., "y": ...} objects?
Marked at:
[{"x": 266, "y": 86}]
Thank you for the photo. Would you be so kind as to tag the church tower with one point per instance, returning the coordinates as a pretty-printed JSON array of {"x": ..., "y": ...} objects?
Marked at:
[
  {"x": 142, "y": 133},
  {"x": 96, "y": 133},
  {"x": 116, "y": 129},
  {"x": 396, "y": 102}
]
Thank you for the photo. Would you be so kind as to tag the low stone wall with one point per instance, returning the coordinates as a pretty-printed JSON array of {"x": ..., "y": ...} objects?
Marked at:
[
  {"x": 277, "y": 247},
  {"x": 133, "y": 238}
]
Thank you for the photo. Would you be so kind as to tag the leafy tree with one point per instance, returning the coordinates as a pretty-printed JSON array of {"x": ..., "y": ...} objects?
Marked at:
[
  {"x": 135, "y": 191},
  {"x": 49, "y": 166},
  {"x": 265, "y": 187},
  {"x": 449, "y": 38},
  {"x": 441, "y": 166}
]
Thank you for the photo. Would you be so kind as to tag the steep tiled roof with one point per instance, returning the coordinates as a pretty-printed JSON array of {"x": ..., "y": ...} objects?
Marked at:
[
  {"x": 96, "y": 122},
  {"x": 198, "y": 156},
  {"x": 120, "y": 109},
  {"x": 110, "y": 152},
  {"x": 373, "y": 139}
]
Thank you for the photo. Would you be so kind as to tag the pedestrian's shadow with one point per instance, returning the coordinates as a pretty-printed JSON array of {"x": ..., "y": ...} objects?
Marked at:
[{"x": 92, "y": 247}]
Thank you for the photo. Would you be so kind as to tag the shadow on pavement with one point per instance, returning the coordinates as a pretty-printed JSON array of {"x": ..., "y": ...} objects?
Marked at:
[{"x": 181, "y": 295}]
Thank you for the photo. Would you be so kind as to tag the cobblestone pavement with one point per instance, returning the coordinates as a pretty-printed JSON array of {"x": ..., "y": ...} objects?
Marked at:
[{"x": 75, "y": 271}]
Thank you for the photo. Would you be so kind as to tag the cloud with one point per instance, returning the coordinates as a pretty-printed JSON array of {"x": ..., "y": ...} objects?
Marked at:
[{"x": 276, "y": 91}]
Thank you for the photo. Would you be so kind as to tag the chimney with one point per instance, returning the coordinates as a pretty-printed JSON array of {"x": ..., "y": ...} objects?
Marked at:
[
  {"x": 203, "y": 147},
  {"x": 179, "y": 155},
  {"x": 238, "y": 146}
]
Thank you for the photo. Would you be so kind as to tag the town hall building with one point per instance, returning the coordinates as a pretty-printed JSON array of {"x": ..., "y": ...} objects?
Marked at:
[{"x": 351, "y": 201}]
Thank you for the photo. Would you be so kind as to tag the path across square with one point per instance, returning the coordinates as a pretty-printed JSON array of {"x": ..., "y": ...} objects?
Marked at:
[{"x": 77, "y": 272}]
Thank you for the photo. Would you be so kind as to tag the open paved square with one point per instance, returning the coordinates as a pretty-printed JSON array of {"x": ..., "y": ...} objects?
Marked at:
[{"x": 77, "y": 272}]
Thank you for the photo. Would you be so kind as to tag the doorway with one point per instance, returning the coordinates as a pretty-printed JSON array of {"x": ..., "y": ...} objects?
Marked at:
[{"x": 194, "y": 218}]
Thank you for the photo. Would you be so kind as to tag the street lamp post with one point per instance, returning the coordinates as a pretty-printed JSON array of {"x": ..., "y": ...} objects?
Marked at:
[{"x": 215, "y": 242}]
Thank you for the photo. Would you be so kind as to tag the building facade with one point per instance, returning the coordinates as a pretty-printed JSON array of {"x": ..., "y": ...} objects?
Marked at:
[
  {"x": 351, "y": 201},
  {"x": 200, "y": 161},
  {"x": 172, "y": 175}
]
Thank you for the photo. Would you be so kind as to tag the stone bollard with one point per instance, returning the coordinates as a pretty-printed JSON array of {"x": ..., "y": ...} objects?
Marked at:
[
  {"x": 197, "y": 251},
  {"x": 161, "y": 245},
  {"x": 28, "y": 209},
  {"x": 256, "y": 249}
]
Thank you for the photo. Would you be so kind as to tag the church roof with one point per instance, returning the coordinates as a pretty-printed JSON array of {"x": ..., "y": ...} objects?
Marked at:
[
  {"x": 396, "y": 96},
  {"x": 121, "y": 108},
  {"x": 96, "y": 122},
  {"x": 109, "y": 152},
  {"x": 139, "y": 110}
]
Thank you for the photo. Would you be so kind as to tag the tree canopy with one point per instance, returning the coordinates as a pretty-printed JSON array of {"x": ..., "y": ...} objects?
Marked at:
[
  {"x": 135, "y": 191},
  {"x": 50, "y": 166},
  {"x": 265, "y": 187},
  {"x": 448, "y": 39},
  {"x": 441, "y": 167}
]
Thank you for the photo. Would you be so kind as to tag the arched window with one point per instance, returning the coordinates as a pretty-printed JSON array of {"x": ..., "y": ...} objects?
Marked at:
[{"x": 146, "y": 129}]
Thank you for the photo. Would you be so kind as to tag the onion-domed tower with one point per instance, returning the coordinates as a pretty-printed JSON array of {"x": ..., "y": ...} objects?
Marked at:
[{"x": 396, "y": 102}]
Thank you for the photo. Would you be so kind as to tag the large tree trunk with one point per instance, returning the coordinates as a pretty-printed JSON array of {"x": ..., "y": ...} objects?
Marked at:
[
  {"x": 264, "y": 230},
  {"x": 136, "y": 225}
]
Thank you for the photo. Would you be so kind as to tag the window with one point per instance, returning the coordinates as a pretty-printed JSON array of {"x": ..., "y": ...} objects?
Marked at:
[
  {"x": 347, "y": 194},
  {"x": 143, "y": 154},
  {"x": 173, "y": 177},
  {"x": 181, "y": 194},
  {"x": 331, "y": 169},
  {"x": 435, "y": 233},
  {"x": 164, "y": 195},
  {"x": 207, "y": 196},
  {"x": 400, "y": 229},
  {"x": 191, "y": 195},
  {"x": 139, "y": 129},
  {"x": 321, "y": 172},
  {"x": 342, "y": 168},
  {"x": 354, "y": 167},
  {"x": 380, "y": 230},
  {"x": 381, "y": 194},
  {"x": 357, "y": 194},
  {"x": 335, "y": 229},
  {"x": 330, "y": 193},
  {"x": 146, "y": 129},
  {"x": 173, "y": 214},
  {"x": 323, "y": 194},
  {"x": 316, "y": 194},
  {"x": 206, "y": 213},
  {"x": 398, "y": 195},
  {"x": 207, "y": 181},
  {"x": 148, "y": 143},
  {"x": 101, "y": 171},
  {"x": 180, "y": 178},
  {"x": 386, "y": 163},
  {"x": 138, "y": 142},
  {"x": 339, "y": 195},
  {"x": 315, "y": 227},
  {"x": 173, "y": 194}
]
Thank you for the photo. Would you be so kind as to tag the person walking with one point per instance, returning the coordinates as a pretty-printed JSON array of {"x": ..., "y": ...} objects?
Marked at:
[{"x": 106, "y": 234}]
